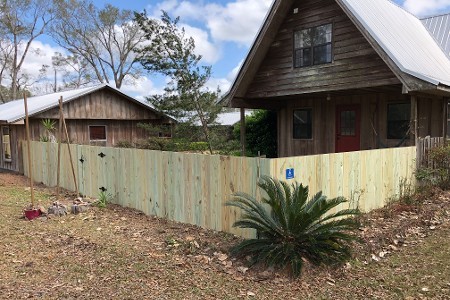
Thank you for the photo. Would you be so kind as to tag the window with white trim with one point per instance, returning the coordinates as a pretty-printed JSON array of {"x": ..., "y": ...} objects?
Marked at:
[{"x": 6, "y": 143}]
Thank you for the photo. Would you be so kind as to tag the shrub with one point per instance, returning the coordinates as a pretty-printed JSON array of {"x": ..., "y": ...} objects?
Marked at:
[
  {"x": 198, "y": 146},
  {"x": 124, "y": 144},
  {"x": 438, "y": 171},
  {"x": 260, "y": 133},
  {"x": 290, "y": 228}
]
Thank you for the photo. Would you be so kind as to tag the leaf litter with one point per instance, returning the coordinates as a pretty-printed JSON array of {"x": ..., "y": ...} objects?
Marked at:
[{"x": 119, "y": 253}]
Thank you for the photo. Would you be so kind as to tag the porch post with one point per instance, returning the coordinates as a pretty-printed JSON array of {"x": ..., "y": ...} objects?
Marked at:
[
  {"x": 243, "y": 131},
  {"x": 445, "y": 119},
  {"x": 414, "y": 117}
]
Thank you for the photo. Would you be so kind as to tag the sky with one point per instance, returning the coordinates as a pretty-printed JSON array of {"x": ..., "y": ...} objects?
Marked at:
[{"x": 223, "y": 31}]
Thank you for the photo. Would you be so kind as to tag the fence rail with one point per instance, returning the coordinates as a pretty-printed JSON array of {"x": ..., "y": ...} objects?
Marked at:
[
  {"x": 423, "y": 147},
  {"x": 193, "y": 188}
]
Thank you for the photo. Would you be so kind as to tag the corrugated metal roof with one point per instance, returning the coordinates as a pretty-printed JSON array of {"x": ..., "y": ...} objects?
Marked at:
[
  {"x": 404, "y": 38},
  {"x": 15, "y": 111},
  {"x": 439, "y": 27}
]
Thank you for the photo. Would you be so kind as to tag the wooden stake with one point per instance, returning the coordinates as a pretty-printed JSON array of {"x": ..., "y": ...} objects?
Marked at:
[
  {"x": 243, "y": 131},
  {"x": 30, "y": 169},
  {"x": 58, "y": 174},
  {"x": 70, "y": 152}
]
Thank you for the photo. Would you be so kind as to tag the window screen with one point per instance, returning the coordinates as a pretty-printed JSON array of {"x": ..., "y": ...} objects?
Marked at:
[
  {"x": 302, "y": 124},
  {"x": 398, "y": 120}
]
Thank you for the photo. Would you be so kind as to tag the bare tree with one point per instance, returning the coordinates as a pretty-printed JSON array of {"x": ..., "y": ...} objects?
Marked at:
[
  {"x": 105, "y": 38},
  {"x": 74, "y": 70},
  {"x": 21, "y": 22}
]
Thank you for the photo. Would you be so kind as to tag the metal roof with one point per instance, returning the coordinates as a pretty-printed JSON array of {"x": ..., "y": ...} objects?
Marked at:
[
  {"x": 15, "y": 111},
  {"x": 439, "y": 28},
  {"x": 404, "y": 38}
]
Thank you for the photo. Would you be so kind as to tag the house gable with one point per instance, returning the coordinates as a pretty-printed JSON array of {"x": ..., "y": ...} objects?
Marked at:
[
  {"x": 355, "y": 64},
  {"x": 103, "y": 104}
]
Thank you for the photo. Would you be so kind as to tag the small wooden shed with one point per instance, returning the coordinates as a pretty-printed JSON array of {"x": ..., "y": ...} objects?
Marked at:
[
  {"x": 346, "y": 75},
  {"x": 99, "y": 115}
]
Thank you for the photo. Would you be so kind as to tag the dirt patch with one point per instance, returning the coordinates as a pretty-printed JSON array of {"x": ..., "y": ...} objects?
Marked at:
[{"x": 122, "y": 254}]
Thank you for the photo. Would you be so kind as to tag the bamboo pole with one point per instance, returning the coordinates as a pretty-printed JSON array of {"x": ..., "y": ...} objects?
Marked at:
[
  {"x": 58, "y": 174},
  {"x": 68, "y": 147},
  {"x": 30, "y": 169}
]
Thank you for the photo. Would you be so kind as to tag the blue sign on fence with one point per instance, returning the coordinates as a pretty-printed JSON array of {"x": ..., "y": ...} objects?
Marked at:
[{"x": 290, "y": 173}]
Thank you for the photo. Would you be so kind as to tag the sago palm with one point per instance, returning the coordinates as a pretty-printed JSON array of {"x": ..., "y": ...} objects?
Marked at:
[{"x": 291, "y": 228}]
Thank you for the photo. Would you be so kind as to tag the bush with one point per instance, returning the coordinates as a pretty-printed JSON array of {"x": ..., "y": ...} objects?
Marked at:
[
  {"x": 261, "y": 133},
  {"x": 438, "y": 173},
  {"x": 294, "y": 229},
  {"x": 124, "y": 144}
]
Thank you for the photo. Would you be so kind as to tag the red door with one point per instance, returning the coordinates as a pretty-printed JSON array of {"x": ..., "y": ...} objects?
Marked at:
[{"x": 348, "y": 120}]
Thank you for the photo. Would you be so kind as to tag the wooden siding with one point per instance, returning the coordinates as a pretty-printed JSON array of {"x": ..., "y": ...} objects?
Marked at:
[
  {"x": 17, "y": 133},
  {"x": 355, "y": 63},
  {"x": 373, "y": 122},
  {"x": 116, "y": 131},
  {"x": 102, "y": 104},
  {"x": 193, "y": 188}
]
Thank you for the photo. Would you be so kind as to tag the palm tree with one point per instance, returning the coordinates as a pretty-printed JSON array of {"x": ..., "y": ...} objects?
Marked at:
[{"x": 291, "y": 229}]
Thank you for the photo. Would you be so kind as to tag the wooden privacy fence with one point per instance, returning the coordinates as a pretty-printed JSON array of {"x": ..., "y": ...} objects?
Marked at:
[
  {"x": 192, "y": 188},
  {"x": 423, "y": 146}
]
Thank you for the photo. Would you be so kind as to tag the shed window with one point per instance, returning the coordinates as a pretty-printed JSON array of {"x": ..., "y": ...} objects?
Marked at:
[
  {"x": 398, "y": 120},
  {"x": 97, "y": 133},
  {"x": 312, "y": 46},
  {"x": 302, "y": 124},
  {"x": 6, "y": 143}
]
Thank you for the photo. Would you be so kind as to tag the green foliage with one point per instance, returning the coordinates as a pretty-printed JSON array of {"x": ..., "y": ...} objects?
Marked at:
[
  {"x": 292, "y": 228},
  {"x": 49, "y": 126},
  {"x": 170, "y": 53},
  {"x": 438, "y": 171},
  {"x": 198, "y": 146},
  {"x": 261, "y": 133},
  {"x": 103, "y": 199},
  {"x": 124, "y": 144}
]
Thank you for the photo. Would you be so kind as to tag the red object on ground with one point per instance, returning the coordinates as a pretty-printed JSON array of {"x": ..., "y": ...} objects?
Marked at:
[{"x": 32, "y": 213}]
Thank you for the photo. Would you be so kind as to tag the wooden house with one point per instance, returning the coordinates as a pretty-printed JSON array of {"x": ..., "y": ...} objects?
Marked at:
[
  {"x": 346, "y": 75},
  {"x": 98, "y": 115}
]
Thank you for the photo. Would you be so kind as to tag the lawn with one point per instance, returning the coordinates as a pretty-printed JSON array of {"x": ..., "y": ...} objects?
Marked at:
[{"x": 118, "y": 253}]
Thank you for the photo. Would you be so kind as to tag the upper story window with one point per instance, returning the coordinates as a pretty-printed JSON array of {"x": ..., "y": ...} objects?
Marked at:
[{"x": 312, "y": 46}]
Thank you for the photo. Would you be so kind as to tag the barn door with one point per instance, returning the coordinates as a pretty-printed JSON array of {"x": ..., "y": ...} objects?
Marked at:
[{"x": 348, "y": 123}]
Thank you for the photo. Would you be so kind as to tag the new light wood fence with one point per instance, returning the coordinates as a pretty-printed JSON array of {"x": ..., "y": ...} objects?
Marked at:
[{"x": 193, "y": 188}]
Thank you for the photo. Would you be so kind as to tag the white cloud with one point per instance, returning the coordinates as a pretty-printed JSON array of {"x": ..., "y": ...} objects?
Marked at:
[
  {"x": 426, "y": 7},
  {"x": 237, "y": 21},
  {"x": 40, "y": 54},
  {"x": 140, "y": 87},
  {"x": 210, "y": 52}
]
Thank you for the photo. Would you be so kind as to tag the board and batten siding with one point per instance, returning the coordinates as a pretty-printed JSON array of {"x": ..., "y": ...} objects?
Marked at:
[
  {"x": 373, "y": 107},
  {"x": 193, "y": 188},
  {"x": 102, "y": 104},
  {"x": 355, "y": 64}
]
